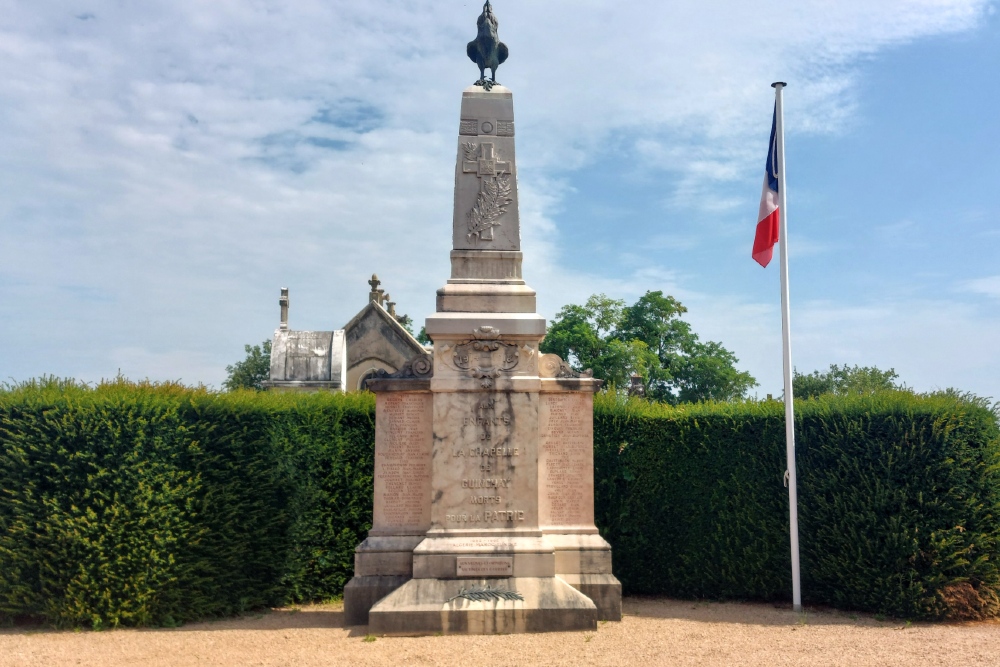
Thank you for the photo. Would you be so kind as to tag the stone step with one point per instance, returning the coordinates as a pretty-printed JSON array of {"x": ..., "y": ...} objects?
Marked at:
[{"x": 432, "y": 606}]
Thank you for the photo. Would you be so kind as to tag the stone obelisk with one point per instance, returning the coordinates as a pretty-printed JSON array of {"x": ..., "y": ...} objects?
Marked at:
[{"x": 484, "y": 506}]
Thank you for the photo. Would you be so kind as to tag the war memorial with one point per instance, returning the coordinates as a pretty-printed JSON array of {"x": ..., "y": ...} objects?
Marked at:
[{"x": 484, "y": 481}]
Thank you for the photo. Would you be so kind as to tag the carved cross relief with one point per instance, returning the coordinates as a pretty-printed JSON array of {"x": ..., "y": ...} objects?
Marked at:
[{"x": 493, "y": 191}]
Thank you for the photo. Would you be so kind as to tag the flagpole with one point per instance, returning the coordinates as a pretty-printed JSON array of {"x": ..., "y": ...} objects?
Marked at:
[{"x": 786, "y": 345}]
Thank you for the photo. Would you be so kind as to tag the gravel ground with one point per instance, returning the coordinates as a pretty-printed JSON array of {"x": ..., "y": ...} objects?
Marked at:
[{"x": 653, "y": 632}]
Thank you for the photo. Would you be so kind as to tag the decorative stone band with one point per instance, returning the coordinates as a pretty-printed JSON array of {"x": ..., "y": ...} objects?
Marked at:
[
  {"x": 473, "y": 127},
  {"x": 553, "y": 366},
  {"x": 480, "y": 266}
]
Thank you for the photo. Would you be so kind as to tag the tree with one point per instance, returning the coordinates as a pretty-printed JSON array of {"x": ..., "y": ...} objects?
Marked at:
[
  {"x": 845, "y": 380},
  {"x": 422, "y": 336},
  {"x": 252, "y": 371},
  {"x": 406, "y": 321},
  {"x": 650, "y": 340}
]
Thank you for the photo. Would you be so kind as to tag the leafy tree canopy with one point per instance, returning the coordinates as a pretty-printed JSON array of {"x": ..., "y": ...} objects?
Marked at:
[
  {"x": 845, "y": 380},
  {"x": 650, "y": 340},
  {"x": 252, "y": 371}
]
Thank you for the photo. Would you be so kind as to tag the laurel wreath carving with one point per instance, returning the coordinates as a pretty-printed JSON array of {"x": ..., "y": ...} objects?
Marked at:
[
  {"x": 492, "y": 202},
  {"x": 486, "y": 593}
]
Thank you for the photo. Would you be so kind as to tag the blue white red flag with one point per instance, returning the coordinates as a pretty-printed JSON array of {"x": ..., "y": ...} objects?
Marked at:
[{"x": 767, "y": 217}]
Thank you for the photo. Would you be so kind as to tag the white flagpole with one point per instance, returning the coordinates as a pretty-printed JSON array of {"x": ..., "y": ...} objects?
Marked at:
[{"x": 786, "y": 344}]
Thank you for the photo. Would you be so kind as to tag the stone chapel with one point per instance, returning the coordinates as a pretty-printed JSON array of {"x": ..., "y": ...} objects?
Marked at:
[{"x": 373, "y": 342}]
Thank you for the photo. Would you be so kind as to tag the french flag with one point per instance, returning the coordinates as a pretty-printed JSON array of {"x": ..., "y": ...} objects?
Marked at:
[{"x": 767, "y": 218}]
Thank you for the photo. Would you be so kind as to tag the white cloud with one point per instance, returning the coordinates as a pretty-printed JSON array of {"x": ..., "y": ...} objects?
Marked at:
[
  {"x": 990, "y": 286},
  {"x": 170, "y": 163}
]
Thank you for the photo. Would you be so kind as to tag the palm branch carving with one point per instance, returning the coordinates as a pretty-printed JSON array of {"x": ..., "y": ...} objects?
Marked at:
[
  {"x": 486, "y": 593},
  {"x": 492, "y": 202}
]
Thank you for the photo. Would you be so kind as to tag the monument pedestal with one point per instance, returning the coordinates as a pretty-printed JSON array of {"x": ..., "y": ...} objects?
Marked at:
[
  {"x": 484, "y": 478},
  {"x": 431, "y": 606}
]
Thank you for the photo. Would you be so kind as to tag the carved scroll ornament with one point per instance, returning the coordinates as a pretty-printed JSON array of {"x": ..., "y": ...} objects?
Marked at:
[
  {"x": 420, "y": 367},
  {"x": 553, "y": 366}
]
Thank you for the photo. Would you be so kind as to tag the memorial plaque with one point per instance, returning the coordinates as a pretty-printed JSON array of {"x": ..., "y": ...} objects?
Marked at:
[
  {"x": 403, "y": 462},
  {"x": 566, "y": 455},
  {"x": 484, "y": 567},
  {"x": 484, "y": 467}
]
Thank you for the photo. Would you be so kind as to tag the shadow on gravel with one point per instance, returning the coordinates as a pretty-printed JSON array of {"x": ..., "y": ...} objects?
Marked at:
[
  {"x": 745, "y": 613},
  {"x": 331, "y": 616},
  {"x": 275, "y": 619}
]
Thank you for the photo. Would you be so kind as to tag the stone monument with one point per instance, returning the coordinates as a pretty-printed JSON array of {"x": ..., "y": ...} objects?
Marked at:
[
  {"x": 306, "y": 360},
  {"x": 484, "y": 481}
]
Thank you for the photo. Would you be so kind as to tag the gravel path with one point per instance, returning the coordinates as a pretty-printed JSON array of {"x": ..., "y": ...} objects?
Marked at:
[{"x": 653, "y": 632}]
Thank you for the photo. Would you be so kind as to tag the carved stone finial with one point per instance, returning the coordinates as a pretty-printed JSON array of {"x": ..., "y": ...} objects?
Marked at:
[
  {"x": 374, "y": 282},
  {"x": 486, "y": 50},
  {"x": 380, "y": 296},
  {"x": 283, "y": 302},
  {"x": 391, "y": 306}
]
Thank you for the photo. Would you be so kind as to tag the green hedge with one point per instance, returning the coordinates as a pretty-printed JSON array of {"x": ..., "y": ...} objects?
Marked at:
[
  {"x": 138, "y": 504},
  {"x": 156, "y": 504},
  {"x": 899, "y": 501}
]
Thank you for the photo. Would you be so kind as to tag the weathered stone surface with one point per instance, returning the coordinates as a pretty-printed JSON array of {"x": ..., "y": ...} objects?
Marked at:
[
  {"x": 427, "y": 606},
  {"x": 401, "y": 504},
  {"x": 509, "y": 448},
  {"x": 486, "y": 214},
  {"x": 402, "y": 464},
  {"x": 459, "y": 325},
  {"x": 581, "y": 553},
  {"x": 484, "y": 566},
  {"x": 492, "y": 297},
  {"x": 603, "y": 589},
  {"x": 362, "y": 592},
  {"x": 308, "y": 360},
  {"x": 566, "y": 461},
  {"x": 386, "y": 555},
  {"x": 437, "y": 556},
  {"x": 376, "y": 341},
  {"x": 478, "y": 266},
  {"x": 485, "y": 470}
]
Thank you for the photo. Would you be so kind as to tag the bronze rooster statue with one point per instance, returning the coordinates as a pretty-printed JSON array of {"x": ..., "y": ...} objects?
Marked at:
[{"x": 486, "y": 50}]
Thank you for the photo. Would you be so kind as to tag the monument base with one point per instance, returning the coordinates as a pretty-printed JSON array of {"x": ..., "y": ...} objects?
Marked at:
[
  {"x": 604, "y": 590},
  {"x": 361, "y": 593},
  {"x": 382, "y": 563},
  {"x": 432, "y": 606}
]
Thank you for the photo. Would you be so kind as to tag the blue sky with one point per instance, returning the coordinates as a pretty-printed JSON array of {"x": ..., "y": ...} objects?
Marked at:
[{"x": 168, "y": 166}]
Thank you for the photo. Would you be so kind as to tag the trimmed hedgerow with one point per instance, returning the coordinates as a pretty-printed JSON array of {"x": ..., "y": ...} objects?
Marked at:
[
  {"x": 143, "y": 504},
  {"x": 899, "y": 501},
  {"x": 140, "y": 504}
]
